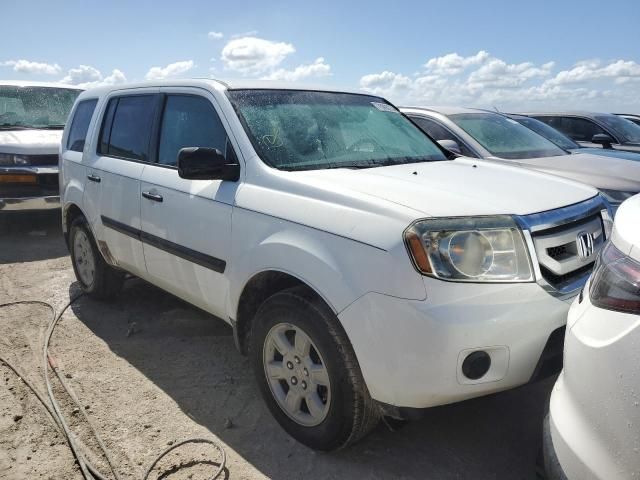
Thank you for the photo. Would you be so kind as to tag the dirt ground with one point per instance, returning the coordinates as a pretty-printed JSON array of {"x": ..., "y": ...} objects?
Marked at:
[{"x": 150, "y": 370}]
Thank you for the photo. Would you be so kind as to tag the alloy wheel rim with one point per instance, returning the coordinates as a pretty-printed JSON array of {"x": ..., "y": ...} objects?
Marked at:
[
  {"x": 83, "y": 258},
  {"x": 296, "y": 374}
]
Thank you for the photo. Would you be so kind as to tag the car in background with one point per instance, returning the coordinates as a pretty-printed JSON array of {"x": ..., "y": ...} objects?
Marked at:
[
  {"x": 594, "y": 129},
  {"x": 630, "y": 116},
  {"x": 32, "y": 118},
  {"x": 496, "y": 137},
  {"x": 592, "y": 429}
]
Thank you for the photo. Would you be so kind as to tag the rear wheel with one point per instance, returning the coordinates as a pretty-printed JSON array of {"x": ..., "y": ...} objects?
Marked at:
[
  {"x": 308, "y": 373},
  {"x": 96, "y": 277}
]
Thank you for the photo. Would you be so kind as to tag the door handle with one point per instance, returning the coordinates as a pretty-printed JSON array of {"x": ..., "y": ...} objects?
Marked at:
[
  {"x": 94, "y": 178},
  {"x": 152, "y": 196}
]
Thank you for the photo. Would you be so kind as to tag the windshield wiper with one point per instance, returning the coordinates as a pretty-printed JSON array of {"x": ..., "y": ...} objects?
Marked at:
[
  {"x": 6, "y": 126},
  {"x": 51, "y": 127},
  {"x": 357, "y": 165}
]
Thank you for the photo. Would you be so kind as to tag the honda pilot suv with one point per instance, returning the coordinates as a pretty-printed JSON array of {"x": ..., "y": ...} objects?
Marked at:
[{"x": 364, "y": 270}]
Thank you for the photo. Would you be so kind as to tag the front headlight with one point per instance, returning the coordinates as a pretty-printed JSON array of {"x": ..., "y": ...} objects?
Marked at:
[
  {"x": 10, "y": 159},
  {"x": 470, "y": 249},
  {"x": 616, "y": 196}
]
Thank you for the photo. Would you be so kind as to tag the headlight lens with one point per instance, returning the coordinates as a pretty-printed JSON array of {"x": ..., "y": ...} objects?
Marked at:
[
  {"x": 6, "y": 159},
  {"x": 470, "y": 249},
  {"x": 616, "y": 196},
  {"x": 10, "y": 159}
]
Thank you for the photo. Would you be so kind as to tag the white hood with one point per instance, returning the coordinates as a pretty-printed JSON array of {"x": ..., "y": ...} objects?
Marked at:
[
  {"x": 459, "y": 187},
  {"x": 36, "y": 142}
]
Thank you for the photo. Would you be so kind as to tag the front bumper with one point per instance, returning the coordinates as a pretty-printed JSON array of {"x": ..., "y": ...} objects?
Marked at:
[
  {"x": 41, "y": 194},
  {"x": 29, "y": 203},
  {"x": 411, "y": 352}
]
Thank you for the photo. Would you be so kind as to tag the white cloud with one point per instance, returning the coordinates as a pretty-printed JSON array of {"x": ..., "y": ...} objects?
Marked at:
[
  {"x": 620, "y": 70},
  {"x": 453, "y": 64},
  {"x": 485, "y": 81},
  {"x": 252, "y": 55},
  {"x": 86, "y": 76},
  {"x": 82, "y": 74},
  {"x": 498, "y": 73},
  {"x": 171, "y": 70},
  {"x": 316, "y": 69},
  {"x": 215, "y": 35},
  {"x": 38, "y": 68}
]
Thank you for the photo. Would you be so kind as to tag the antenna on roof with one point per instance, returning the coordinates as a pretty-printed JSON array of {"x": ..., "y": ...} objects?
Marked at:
[{"x": 496, "y": 109}]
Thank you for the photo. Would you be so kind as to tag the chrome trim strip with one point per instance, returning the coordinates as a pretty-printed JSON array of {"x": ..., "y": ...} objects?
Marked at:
[{"x": 536, "y": 222}]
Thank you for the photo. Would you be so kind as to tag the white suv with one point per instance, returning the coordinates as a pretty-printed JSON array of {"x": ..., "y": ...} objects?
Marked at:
[{"x": 363, "y": 269}]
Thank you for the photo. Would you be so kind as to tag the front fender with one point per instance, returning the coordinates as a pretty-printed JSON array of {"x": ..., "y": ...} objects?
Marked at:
[{"x": 340, "y": 270}]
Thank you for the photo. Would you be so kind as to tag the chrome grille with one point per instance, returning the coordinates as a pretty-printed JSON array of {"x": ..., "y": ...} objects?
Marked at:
[{"x": 563, "y": 265}]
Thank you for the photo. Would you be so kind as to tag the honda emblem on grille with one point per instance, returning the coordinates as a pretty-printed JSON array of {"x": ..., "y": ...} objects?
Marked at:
[{"x": 584, "y": 242}]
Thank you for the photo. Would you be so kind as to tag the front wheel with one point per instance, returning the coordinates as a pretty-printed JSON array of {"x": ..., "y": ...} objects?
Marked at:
[
  {"x": 307, "y": 372},
  {"x": 97, "y": 278}
]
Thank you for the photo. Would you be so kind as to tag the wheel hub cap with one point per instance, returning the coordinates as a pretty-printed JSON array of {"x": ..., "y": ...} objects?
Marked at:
[
  {"x": 83, "y": 258},
  {"x": 289, "y": 356}
]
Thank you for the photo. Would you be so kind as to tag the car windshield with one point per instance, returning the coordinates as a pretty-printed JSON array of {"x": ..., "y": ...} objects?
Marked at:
[
  {"x": 550, "y": 133},
  {"x": 504, "y": 137},
  {"x": 310, "y": 130},
  {"x": 624, "y": 128},
  {"x": 35, "y": 107}
]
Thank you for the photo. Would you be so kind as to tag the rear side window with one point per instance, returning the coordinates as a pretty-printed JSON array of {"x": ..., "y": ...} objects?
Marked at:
[
  {"x": 80, "y": 125},
  {"x": 189, "y": 121},
  {"x": 126, "y": 129}
]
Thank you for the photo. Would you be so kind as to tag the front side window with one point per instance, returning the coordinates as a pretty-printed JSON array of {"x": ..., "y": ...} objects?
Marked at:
[
  {"x": 548, "y": 132},
  {"x": 189, "y": 121},
  {"x": 504, "y": 137},
  {"x": 439, "y": 132},
  {"x": 126, "y": 129},
  {"x": 626, "y": 129},
  {"x": 306, "y": 130},
  {"x": 578, "y": 129},
  {"x": 80, "y": 125},
  {"x": 35, "y": 107}
]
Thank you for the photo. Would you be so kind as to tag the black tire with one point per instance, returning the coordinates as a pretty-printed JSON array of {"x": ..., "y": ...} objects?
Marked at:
[
  {"x": 351, "y": 413},
  {"x": 107, "y": 281}
]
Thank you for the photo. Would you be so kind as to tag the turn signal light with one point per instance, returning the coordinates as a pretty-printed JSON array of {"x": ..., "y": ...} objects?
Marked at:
[{"x": 18, "y": 179}]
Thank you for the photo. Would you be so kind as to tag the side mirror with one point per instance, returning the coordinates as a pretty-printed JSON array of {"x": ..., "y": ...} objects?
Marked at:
[
  {"x": 602, "y": 139},
  {"x": 200, "y": 163},
  {"x": 450, "y": 145}
]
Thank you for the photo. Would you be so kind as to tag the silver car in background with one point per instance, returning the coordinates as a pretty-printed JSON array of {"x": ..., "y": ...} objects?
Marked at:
[{"x": 495, "y": 137}]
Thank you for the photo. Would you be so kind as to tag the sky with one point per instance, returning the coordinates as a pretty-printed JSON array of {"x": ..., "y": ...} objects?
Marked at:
[{"x": 508, "y": 55}]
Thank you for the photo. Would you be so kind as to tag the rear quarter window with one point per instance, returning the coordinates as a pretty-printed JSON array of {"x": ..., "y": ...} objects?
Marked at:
[{"x": 80, "y": 125}]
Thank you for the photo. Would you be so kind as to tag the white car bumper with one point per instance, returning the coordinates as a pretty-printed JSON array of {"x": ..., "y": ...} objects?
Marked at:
[
  {"x": 411, "y": 352},
  {"x": 594, "y": 412}
]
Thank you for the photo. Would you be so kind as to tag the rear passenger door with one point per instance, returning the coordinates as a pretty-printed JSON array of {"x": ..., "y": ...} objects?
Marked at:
[
  {"x": 186, "y": 224},
  {"x": 123, "y": 150},
  {"x": 73, "y": 170}
]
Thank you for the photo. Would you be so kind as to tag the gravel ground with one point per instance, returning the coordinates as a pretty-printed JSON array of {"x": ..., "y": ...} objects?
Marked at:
[{"x": 150, "y": 370}]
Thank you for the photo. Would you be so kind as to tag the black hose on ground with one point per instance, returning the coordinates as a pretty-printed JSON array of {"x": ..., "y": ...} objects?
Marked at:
[{"x": 89, "y": 471}]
